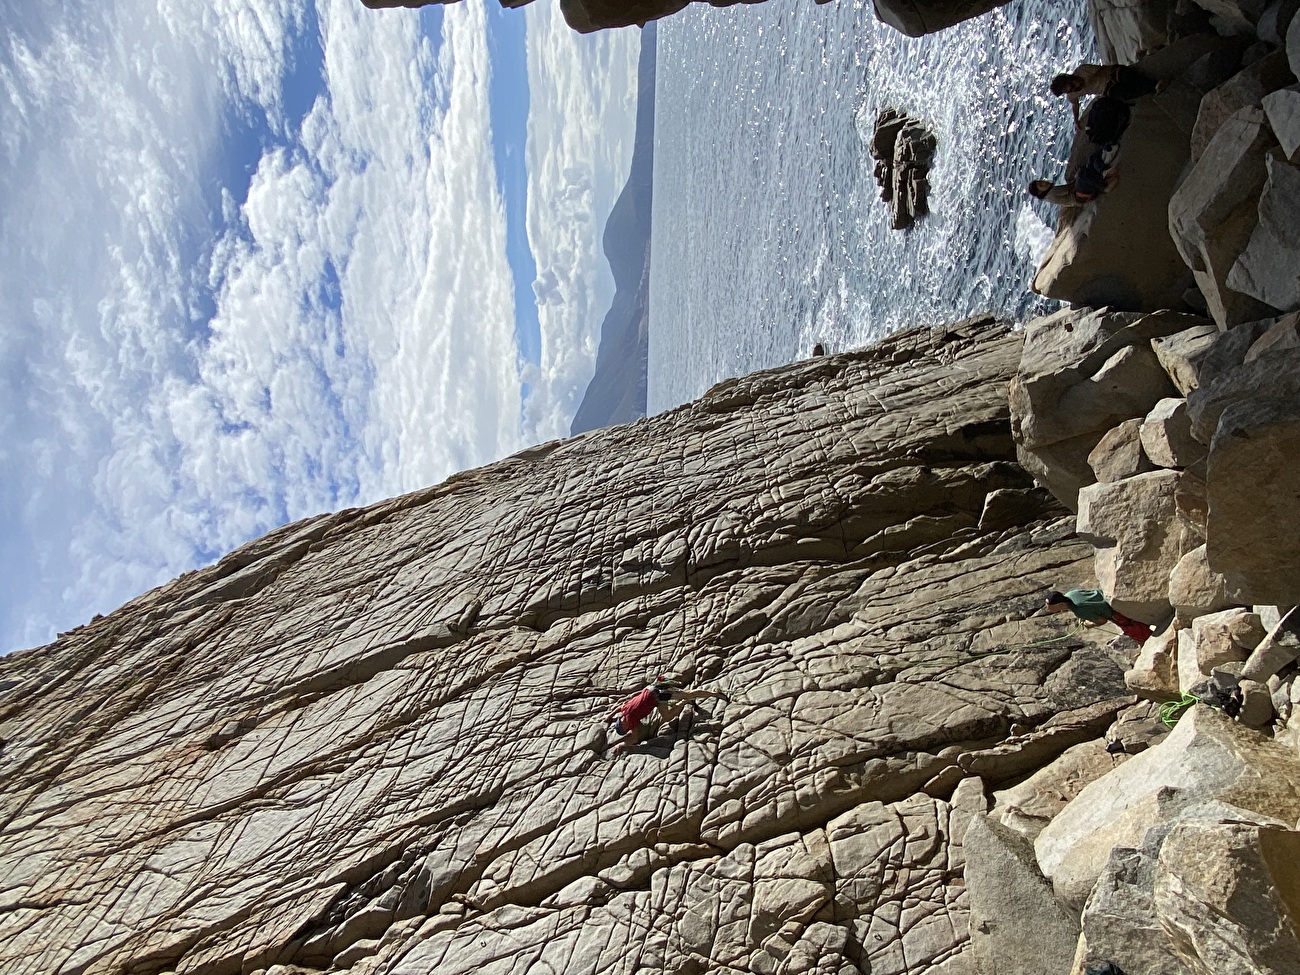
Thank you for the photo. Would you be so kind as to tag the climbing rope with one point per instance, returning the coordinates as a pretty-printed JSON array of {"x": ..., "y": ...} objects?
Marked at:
[{"x": 1171, "y": 711}]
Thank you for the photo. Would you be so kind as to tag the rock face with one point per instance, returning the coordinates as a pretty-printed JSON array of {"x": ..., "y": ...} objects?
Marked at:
[
  {"x": 372, "y": 739},
  {"x": 903, "y": 149},
  {"x": 1082, "y": 373},
  {"x": 1213, "y": 213}
]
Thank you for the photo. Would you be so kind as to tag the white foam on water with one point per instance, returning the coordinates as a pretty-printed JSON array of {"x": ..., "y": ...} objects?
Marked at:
[{"x": 1033, "y": 237}]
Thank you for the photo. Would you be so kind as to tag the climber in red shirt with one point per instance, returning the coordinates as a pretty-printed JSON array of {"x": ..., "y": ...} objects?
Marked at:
[{"x": 663, "y": 696}]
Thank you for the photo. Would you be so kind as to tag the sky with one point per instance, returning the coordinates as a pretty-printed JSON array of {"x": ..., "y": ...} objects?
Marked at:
[{"x": 262, "y": 259}]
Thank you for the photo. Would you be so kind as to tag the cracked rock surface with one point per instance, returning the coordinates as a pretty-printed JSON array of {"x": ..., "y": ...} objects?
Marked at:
[{"x": 372, "y": 740}]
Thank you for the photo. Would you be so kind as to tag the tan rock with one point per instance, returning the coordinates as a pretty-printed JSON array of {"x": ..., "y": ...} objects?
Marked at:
[
  {"x": 1195, "y": 589},
  {"x": 1116, "y": 251},
  {"x": 1250, "y": 487},
  {"x": 1273, "y": 376},
  {"x": 1119, "y": 453},
  {"x": 1083, "y": 372},
  {"x": 1269, "y": 267},
  {"x": 1134, "y": 526},
  {"x": 1293, "y": 46},
  {"x": 1207, "y": 757},
  {"x": 1166, "y": 435},
  {"x": 1214, "y": 640},
  {"x": 1225, "y": 894},
  {"x": 1256, "y": 705},
  {"x": 1213, "y": 212},
  {"x": 1136, "y": 729},
  {"x": 916, "y": 18},
  {"x": 1154, "y": 674},
  {"x": 1030, "y": 805},
  {"x": 1281, "y": 335},
  {"x": 1005, "y": 888},
  {"x": 1153, "y": 912},
  {"x": 1280, "y": 646},
  {"x": 1181, "y": 352}
]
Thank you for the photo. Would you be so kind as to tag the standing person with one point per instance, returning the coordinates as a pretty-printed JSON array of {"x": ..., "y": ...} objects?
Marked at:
[
  {"x": 1090, "y": 606},
  {"x": 663, "y": 696}
]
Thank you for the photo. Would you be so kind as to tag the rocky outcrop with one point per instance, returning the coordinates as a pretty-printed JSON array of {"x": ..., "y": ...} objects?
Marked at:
[
  {"x": 1116, "y": 251},
  {"x": 373, "y": 740},
  {"x": 1214, "y": 212},
  {"x": 1084, "y": 372},
  {"x": 903, "y": 149}
]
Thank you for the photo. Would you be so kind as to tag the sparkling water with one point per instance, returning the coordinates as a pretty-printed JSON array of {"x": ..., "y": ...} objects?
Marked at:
[{"x": 768, "y": 233}]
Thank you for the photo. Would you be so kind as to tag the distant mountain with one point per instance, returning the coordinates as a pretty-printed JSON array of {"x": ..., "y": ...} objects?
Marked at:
[{"x": 617, "y": 392}]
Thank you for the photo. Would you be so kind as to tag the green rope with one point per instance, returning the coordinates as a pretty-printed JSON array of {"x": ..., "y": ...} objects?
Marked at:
[{"x": 1171, "y": 711}]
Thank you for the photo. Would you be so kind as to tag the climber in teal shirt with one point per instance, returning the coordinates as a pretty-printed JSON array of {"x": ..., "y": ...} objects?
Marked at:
[{"x": 1090, "y": 606}]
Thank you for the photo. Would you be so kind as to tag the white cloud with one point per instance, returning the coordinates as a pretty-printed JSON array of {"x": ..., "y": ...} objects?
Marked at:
[
  {"x": 183, "y": 370},
  {"x": 582, "y": 121}
]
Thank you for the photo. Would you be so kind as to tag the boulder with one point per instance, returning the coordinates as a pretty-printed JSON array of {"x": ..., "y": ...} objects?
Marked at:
[
  {"x": 1081, "y": 373},
  {"x": 1215, "y": 640},
  {"x": 1030, "y": 805},
  {"x": 1271, "y": 377},
  {"x": 1116, "y": 251},
  {"x": 1195, "y": 589},
  {"x": 1214, "y": 212},
  {"x": 1226, "y": 895},
  {"x": 916, "y": 18},
  {"x": 1154, "y": 674},
  {"x": 1119, "y": 453},
  {"x": 1208, "y": 756},
  {"x": 1204, "y": 363},
  {"x": 1234, "y": 16},
  {"x": 1125, "y": 28},
  {"x": 1166, "y": 435},
  {"x": 1181, "y": 352},
  {"x": 1242, "y": 90},
  {"x": 1269, "y": 268},
  {"x": 1154, "y": 911},
  {"x": 1274, "y": 21},
  {"x": 1283, "y": 334},
  {"x": 1256, "y": 705},
  {"x": 1193, "y": 508},
  {"x": 1135, "y": 528},
  {"x": 1283, "y": 111},
  {"x": 1278, "y": 648},
  {"x": 1119, "y": 920},
  {"x": 903, "y": 149},
  {"x": 1251, "y": 489},
  {"x": 1005, "y": 888},
  {"x": 1136, "y": 729}
]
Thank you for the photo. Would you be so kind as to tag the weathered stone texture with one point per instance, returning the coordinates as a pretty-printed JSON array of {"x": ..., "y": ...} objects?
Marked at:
[{"x": 372, "y": 739}]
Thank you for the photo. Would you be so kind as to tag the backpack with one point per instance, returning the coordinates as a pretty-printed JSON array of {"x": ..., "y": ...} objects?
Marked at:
[
  {"x": 1106, "y": 120},
  {"x": 1090, "y": 181}
]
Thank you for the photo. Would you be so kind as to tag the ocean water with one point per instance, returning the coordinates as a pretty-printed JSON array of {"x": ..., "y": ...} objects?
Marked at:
[{"x": 768, "y": 231}]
